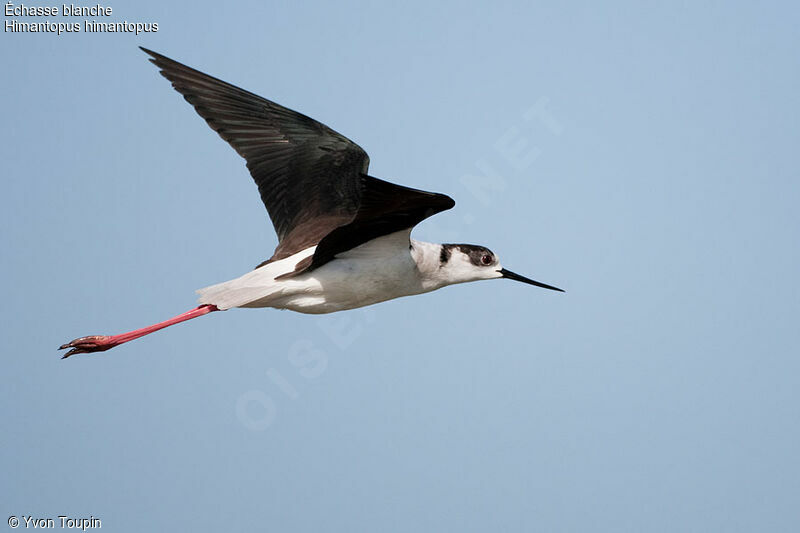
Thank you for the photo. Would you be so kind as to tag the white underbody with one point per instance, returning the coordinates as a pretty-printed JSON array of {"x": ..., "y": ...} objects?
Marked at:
[{"x": 382, "y": 269}]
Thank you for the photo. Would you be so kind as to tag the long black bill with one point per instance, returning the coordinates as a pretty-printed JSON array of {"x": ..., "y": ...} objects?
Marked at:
[{"x": 516, "y": 277}]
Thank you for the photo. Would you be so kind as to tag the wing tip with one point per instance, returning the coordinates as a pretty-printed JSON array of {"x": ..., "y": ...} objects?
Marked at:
[{"x": 150, "y": 52}]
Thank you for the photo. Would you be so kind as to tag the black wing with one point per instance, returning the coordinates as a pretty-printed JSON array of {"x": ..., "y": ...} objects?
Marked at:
[
  {"x": 313, "y": 181},
  {"x": 305, "y": 171}
]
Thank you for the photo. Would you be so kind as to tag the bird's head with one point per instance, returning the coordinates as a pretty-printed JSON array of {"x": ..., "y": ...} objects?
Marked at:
[{"x": 469, "y": 262}]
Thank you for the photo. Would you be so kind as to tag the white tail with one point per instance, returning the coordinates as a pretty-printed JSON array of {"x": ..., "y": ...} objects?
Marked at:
[{"x": 256, "y": 285}]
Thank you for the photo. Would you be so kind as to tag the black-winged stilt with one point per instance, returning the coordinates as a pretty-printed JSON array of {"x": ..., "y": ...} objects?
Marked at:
[{"x": 344, "y": 237}]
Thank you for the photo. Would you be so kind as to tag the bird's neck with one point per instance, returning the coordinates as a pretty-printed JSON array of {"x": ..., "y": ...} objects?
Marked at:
[{"x": 429, "y": 259}]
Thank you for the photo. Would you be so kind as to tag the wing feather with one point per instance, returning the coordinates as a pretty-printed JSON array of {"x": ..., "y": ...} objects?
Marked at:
[{"x": 302, "y": 168}]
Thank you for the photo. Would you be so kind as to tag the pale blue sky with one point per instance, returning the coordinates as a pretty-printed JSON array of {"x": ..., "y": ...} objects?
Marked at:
[{"x": 660, "y": 189}]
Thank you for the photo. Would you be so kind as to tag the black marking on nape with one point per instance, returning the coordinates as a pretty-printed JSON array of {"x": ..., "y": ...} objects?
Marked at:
[
  {"x": 444, "y": 254},
  {"x": 473, "y": 251}
]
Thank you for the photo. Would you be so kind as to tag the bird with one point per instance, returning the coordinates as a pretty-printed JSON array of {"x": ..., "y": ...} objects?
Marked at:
[{"x": 344, "y": 237}]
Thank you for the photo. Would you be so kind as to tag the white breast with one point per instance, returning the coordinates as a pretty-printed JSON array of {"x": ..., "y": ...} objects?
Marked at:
[{"x": 379, "y": 270}]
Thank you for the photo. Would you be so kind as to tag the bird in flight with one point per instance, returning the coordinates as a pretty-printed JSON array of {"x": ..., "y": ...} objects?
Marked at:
[{"x": 344, "y": 237}]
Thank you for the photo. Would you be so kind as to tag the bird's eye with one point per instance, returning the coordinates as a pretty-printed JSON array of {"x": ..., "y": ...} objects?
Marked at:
[{"x": 486, "y": 259}]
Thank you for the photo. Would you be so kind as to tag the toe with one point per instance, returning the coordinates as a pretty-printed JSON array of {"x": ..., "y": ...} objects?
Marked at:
[{"x": 92, "y": 343}]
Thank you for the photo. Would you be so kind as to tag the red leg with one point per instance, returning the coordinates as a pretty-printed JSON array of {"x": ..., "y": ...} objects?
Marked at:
[{"x": 101, "y": 343}]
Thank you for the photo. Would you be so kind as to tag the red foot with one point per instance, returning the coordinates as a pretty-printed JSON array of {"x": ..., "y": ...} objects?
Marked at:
[{"x": 92, "y": 343}]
